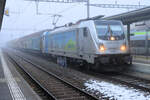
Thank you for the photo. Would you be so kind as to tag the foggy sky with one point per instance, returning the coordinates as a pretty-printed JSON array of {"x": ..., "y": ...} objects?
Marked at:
[{"x": 23, "y": 20}]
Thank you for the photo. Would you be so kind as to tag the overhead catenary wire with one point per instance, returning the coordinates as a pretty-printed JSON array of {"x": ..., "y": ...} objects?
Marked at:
[
  {"x": 43, "y": 21},
  {"x": 18, "y": 15},
  {"x": 17, "y": 29},
  {"x": 24, "y": 10},
  {"x": 51, "y": 15}
]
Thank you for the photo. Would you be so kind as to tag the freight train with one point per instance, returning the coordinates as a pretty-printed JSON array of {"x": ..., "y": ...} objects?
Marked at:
[
  {"x": 92, "y": 43},
  {"x": 140, "y": 38}
]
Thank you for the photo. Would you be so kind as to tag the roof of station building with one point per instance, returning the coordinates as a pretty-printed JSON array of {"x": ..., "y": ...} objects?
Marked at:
[
  {"x": 132, "y": 16},
  {"x": 2, "y": 7}
]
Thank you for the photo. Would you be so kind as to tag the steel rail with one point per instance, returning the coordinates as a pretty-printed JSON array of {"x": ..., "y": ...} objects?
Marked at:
[
  {"x": 76, "y": 88},
  {"x": 122, "y": 81},
  {"x": 20, "y": 66}
]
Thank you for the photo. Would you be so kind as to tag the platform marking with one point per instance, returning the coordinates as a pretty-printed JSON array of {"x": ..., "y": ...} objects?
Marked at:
[
  {"x": 15, "y": 91},
  {"x": 141, "y": 64}
]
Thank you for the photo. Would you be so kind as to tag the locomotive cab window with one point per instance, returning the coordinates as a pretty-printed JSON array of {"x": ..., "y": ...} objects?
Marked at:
[{"x": 107, "y": 29}]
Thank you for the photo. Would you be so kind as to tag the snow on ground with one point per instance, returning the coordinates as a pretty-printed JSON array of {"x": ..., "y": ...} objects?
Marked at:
[{"x": 116, "y": 92}]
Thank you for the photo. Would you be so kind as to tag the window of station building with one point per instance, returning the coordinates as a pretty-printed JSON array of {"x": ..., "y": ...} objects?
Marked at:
[
  {"x": 85, "y": 32},
  {"x": 149, "y": 43},
  {"x": 138, "y": 43}
]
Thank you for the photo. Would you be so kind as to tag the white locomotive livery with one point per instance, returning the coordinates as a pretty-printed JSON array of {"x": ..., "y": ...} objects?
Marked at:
[{"x": 94, "y": 42}]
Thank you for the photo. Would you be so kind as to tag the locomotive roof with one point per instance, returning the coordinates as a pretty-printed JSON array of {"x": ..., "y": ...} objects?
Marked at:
[
  {"x": 61, "y": 28},
  {"x": 74, "y": 26},
  {"x": 64, "y": 28}
]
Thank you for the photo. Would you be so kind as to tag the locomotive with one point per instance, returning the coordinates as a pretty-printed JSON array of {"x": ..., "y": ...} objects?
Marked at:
[{"x": 92, "y": 43}]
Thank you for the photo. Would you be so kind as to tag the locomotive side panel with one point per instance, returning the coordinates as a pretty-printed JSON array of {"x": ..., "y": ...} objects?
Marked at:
[
  {"x": 61, "y": 42},
  {"x": 86, "y": 47}
]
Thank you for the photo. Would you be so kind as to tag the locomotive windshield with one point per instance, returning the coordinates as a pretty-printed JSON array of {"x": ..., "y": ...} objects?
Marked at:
[{"x": 108, "y": 29}]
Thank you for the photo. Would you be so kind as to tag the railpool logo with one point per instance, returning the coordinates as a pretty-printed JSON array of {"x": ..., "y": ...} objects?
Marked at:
[{"x": 71, "y": 45}]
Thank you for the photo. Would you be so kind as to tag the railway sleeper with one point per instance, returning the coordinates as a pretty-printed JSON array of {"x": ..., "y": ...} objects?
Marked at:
[
  {"x": 70, "y": 95},
  {"x": 76, "y": 94},
  {"x": 68, "y": 92},
  {"x": 75, "y": 98}
]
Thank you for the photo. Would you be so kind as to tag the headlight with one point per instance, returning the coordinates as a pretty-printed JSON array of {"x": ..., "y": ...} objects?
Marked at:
[
  {"x": 102, "y": 48},
  {"x": 123, "y": 48},
  {"x": 112, "y": 38}
]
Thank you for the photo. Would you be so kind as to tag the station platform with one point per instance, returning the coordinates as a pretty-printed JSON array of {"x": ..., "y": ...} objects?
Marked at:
[
  {"x": 140, "y": 67},
  {"x": 12, "y": 84},
  {"x": 142, "y": 59}
]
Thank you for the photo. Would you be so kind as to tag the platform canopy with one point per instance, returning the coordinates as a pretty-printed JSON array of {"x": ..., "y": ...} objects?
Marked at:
[
  {"x": 132, "y": 16},
  {"x": 2, "y": 7}
]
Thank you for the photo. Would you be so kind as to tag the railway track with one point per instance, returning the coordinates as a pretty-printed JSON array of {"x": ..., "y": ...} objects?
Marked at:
[
  {"x": 122, "y": 78},
  {"x": 56, "y": 87},
  {"x": 136, "y": 82},
  {"x": 30, "y": 80},
  {"x": 129, "y": 81}
]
